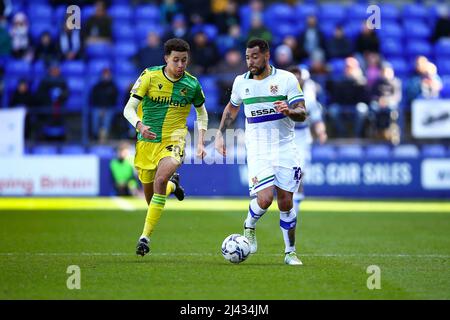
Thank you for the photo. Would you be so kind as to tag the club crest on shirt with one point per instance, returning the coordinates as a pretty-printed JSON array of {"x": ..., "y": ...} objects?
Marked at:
[
  {"x": 183, "y": 91},
  {"x": 273, "y": 89},
  {"x": 255, "y": 181},
  {"x": 247, "y": 91}
]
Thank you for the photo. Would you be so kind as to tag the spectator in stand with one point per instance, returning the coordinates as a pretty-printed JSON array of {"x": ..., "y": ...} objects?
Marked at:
[
  {"x": 70, "y": 45},
  {"x": 5, "y": 38},
  {"x": 53, "y": 92},
  {"x": 227, "y": 69},
  {"x": 22, "y": 95},
  {"x": 425, "y": 83},
  {"x": 103, "y": 100},
  {"x": 169, "y": 9},
  {"x": 179, "y": 29},
  {"x": 386, "y": 95},
  {"x": 99, "y": 26},
  {"x": 46, "y": 49},
  {"x": 442, "y": 26},
  {"x": 367, "y": 41},
  {"x": 292, "y": 43},
  {"x": 204, "y": 54},
  {"x": 339, "y": 46},
  {"x": 150, "y": 54},
  {"x": 227, "y": 18},
  {"x": 349, "y": 96},
  {"x": 258, "y": 30},
  {"x": 122, "y": 171},
  {"x": 373, "y": 68},
  {"x": 20, "y": 38},
  {"x": 283, "y": 57},
  {"x": 235, "y": 39},
  {"x": 53, "y": 89},
  {"x": 311, "y": 40}
]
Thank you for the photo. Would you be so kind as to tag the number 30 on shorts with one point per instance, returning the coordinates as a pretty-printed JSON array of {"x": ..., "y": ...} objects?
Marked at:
[{"x": 297, "y": 173}]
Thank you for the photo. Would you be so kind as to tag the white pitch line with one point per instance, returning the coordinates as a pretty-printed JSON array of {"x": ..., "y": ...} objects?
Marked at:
[
  {"x": 331, "y": 255},
  {"x": 123, "y": 204}
]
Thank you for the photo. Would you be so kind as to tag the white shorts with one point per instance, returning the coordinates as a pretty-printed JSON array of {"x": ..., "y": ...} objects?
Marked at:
[{"x": 285, "y": 173}]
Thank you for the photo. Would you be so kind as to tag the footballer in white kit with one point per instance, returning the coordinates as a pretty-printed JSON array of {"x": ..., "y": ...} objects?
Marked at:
[{"x": 273, "y": 102}]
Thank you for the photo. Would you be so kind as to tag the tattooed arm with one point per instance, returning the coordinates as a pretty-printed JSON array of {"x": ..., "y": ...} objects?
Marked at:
[
  {"x": 296, "y": 112},
  {"x": 229, "y": 115}
]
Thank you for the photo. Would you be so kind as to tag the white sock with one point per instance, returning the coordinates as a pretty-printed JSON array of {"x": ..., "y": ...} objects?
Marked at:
[
  {"x": 288, "y": 222},
  {"x": 297, "y": 199},
  {"x": 255, "y": 212}
]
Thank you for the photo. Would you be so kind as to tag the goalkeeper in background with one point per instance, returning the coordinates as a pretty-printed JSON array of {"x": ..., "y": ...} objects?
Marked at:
[{"x": 164, "y": 95}]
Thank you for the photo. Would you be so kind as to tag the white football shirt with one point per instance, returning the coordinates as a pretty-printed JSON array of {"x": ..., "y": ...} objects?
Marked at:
[{"x": 265, "y": 128}]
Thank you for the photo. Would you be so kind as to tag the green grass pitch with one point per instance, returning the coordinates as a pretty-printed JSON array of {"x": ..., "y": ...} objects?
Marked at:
[{"x": 408, "y": 241}]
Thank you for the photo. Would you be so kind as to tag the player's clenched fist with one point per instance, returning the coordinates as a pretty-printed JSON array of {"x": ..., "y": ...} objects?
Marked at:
[
  {"x": 282, "y": 107},
  {"x": 145, "y": 131}
]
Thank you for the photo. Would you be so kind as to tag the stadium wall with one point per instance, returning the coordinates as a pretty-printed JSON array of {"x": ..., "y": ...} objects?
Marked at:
[{"x": 88, "y": 175}]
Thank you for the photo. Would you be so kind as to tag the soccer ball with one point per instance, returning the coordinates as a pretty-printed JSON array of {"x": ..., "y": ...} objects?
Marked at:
[{"x": 235, "y": 248}]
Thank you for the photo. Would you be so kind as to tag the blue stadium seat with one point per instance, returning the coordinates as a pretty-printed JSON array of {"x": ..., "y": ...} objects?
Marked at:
[
  {"x": 434, "y": 151},
  {"x": 350, "y": 151},
  {"x": 76, "y": 84},
  {"x": 442, "y": 48},
  {"x": 211, "y": 31},
  {"x": 143, "y": 28},
  {"x": 121, "y": 13},
  {"x": 45, "y": 149},
  {"x": 75, "y": 102},
  {"x": 353, "y": 28},
  {"x": 378, "y": 151},
  {"x": 445, "y": 93},
  {"x": 416, "y": 29},
  {"x": 87, "y": 12},
  {"x": 406, "y": 151},
  {"x": 124, "y": 82},
  {"x": 323, "y": 152},
  {"x": 389, "y": 11},
  {"x": 443, "y": 66},
  {"x": 337, "y": 66},
  {"x": 391, "y": 47},
  {"x": 72, "y": 149},
  {"x": 39, "y": 69},
  {"x": 357, "y": 11},
  {"x": 278, "y": 13},
  {"x": 390, "y": 29},
  {"x": 19, "y": 68},
  {"x": 103, "y": 151},
  {"x": 73, "y": 68},
  {"x": 303, "y": 10},
  {"x": 332, "y": 12},
  {"x": 148, "y": 13},
  {"x": 123, "y": 32},
  {"x": 282, "y": 30},
  {"x": 327, "y": 28},
  {"x": 414, "y": 10},
  {"x": 124, "y": 67},
  {"x": 96, "y": 66},
  {"x": 245, "y": 16},
  {"x": 40, "y": 11},
  {"x": 99, "y": 50},
  {"x": 125, "y": 49},
  {"x": 418, "y": 47},
  {"x": 59, "y": 14}
]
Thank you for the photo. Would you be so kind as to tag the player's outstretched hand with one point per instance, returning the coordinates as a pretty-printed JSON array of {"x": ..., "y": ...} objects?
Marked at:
[
  {"x": 201, "y": 152},
  {"x": 219, "y": 145},
  {"x": 282, "y": 107},
  {"x": 145, "y": 131}
]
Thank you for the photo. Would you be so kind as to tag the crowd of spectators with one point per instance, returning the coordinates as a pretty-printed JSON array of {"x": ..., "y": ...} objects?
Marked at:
[{"x": 357, "y": 84}]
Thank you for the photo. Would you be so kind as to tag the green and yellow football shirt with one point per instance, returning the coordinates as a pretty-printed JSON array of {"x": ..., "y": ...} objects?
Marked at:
[{"x": 165, "y": 104}]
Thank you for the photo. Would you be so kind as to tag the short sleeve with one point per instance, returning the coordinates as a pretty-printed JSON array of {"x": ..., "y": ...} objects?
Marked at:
[
  {"x": 141, "y": 85},
  {"x": 199, "y": 96},
  {"x": 235, "y": 98},
  {"x": 294, "y": 92}
]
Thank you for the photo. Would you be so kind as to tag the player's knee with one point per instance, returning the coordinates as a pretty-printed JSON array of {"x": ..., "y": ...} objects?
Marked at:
[
  {"x": 160, "y": 183},
  {"x": 285, "y": 203},
  {"x": 265, "y": 201}
]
